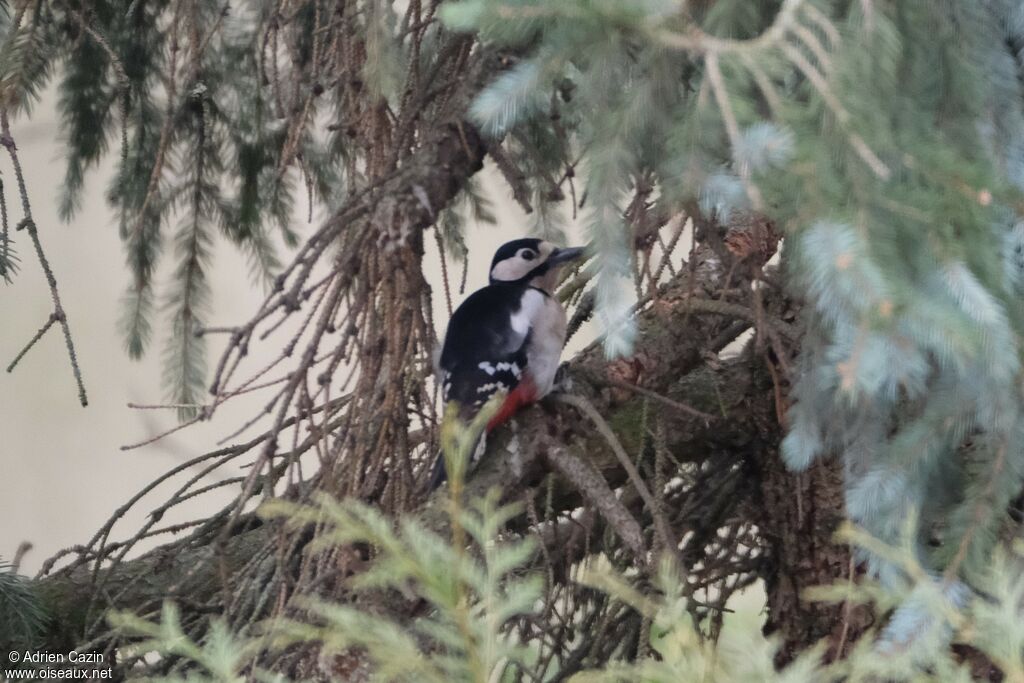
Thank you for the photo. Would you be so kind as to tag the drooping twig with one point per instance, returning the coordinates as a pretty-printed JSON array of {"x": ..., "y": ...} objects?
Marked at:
[
  {"x": 786, "y": 23},
  {"x": 32, "y": 342},
  {"x": 5, "y": 238},
  {"x": 122, "y": 75},
  {"x": 732, "y": 128},
  {"x": 27, "y": 223}
]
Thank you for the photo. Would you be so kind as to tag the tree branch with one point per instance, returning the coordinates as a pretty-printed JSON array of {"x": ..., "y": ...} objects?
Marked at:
[{"x": 58, "y": 315}]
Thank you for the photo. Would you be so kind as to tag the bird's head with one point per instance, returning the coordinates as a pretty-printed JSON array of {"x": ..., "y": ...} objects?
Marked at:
[{"x": 532, "y": 261}]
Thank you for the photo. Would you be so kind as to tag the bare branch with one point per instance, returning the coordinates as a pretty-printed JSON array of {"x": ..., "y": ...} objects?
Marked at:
[{"x": 29, "y": 225}]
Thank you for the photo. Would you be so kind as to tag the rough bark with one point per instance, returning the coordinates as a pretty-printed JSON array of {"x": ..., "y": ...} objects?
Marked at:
[{"x": 800, "y": 514}]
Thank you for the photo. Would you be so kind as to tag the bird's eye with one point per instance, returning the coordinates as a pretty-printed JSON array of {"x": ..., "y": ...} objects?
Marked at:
[{"x": 528, "y": 254}]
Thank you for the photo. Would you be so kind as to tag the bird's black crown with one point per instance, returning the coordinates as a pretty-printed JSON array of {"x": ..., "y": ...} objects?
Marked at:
[{"x": 509, "y": 249}]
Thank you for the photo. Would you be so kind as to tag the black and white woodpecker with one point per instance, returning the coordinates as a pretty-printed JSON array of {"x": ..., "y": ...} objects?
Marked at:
[{"x": 507, "y": 336}]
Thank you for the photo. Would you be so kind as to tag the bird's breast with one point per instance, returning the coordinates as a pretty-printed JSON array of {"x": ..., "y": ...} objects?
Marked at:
[{"x": 544, "y": 350}]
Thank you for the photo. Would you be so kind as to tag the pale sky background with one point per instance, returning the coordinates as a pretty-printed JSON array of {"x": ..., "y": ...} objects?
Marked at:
[{"x": 64, "y": 472}]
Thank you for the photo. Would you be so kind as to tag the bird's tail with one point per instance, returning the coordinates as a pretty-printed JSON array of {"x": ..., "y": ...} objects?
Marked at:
[
  {"x": 460, "y": 431},
  {"x": 439, "y": 474}
]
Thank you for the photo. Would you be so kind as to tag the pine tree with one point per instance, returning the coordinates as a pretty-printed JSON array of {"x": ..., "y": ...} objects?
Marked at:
[{"x": 881, "y": 140}]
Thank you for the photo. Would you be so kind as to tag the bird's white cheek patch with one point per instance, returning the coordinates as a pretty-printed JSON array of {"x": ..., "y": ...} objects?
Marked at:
[{"x": 512, "y": 269}]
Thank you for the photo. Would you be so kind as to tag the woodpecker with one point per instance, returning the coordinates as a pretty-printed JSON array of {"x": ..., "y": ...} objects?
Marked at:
[{"x": 507, "y": 336}]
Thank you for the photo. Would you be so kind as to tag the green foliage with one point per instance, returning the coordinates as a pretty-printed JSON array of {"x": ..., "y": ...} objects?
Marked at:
[
  {"x": 203, "y": 142},
  {"x": 886, "y": 138},
  {"x": 471, "y": 591},
  {"x": 743, "y": 654},
  {"x": 514, "y": 96},
  {"x": 24, "y": 618},
  {"x": 384, "y": 59},
  {"x": 27, "y": 34},
  {"x": 474, "y": 594},
  {"x": 474, "y": 586},
  {"x": 221, "y": 657},
  {"x": 472, "y": 203},
  {"x": 679, "y": 652},
  {"x": 185, "y": 370},
  {"x": 8, "y": 256}
]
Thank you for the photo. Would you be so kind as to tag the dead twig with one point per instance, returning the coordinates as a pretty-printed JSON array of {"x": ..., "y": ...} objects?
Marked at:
[{"x": 29, "y": 225}]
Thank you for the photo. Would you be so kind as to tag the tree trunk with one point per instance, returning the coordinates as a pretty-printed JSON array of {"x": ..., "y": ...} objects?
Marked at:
[{"x": 799, "y": 515}]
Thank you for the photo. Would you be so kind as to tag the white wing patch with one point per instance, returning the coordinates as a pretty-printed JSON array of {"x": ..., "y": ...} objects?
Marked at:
[
  {"x": 491, "y": 387},
  {"x": 529, "y": 306},
  {"x": 491, "y": 368}
]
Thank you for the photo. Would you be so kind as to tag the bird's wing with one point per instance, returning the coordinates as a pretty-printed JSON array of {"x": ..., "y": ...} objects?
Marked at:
[{"x": 485, "y": 346}]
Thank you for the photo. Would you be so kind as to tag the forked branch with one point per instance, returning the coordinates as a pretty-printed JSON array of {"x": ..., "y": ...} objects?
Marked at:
[{"x": 29, "y": 225}]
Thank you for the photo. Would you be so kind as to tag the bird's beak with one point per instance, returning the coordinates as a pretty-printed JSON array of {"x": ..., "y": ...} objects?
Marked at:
[{"x": 564, "y": 255}]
